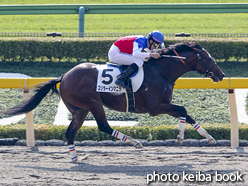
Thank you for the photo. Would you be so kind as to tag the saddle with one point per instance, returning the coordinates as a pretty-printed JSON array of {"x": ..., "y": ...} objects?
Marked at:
[{"x": 107, "y": 74}]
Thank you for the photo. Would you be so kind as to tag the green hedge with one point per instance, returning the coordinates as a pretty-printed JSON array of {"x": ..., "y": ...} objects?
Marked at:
[
  {"x": 97, "y": 48},
  {"x": 162, "y": 132},
  {"x": 39, "y": 48}
]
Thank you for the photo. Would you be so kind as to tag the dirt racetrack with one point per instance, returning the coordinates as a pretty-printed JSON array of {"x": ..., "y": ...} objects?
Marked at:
[{"x": 101, "y": 165}]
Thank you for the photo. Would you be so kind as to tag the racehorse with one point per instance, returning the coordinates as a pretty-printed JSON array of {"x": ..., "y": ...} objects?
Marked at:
[{"x": 78, "y": 92}]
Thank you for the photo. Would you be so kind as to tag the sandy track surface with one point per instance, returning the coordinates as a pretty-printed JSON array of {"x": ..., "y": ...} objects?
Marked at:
[{"x": 50, "y": 165}]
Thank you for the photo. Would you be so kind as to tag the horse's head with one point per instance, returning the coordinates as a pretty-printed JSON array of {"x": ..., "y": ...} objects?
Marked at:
[
  {"x": 207, "y": 66},
  {"x": 197, "y": 59}
]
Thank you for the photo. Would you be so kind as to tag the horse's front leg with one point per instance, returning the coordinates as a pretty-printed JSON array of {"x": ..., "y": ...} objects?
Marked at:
[{"x": 181, "y": 112}]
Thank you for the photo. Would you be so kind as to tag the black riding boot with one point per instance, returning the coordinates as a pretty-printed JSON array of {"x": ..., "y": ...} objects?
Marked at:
[{"x": 122, "y": 79}]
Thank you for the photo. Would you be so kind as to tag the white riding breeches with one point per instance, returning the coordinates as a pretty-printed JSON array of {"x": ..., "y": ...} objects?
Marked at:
[{"x": 116, "y": 56}]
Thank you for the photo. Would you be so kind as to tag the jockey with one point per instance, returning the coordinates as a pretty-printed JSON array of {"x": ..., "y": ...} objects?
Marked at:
[{"x": 128, "y": 51}]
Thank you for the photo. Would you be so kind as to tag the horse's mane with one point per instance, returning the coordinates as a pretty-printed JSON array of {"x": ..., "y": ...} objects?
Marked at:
[{"x": 181, "y": 47}]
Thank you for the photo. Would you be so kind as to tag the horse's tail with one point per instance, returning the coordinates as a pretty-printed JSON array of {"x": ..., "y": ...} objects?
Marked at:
[{"x": 28, "y": 105}]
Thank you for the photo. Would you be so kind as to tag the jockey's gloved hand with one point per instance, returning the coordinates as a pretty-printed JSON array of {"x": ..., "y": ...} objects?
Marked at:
[
  {"x": 155, "y": 55},
  {"x": 161, "y": 51}
]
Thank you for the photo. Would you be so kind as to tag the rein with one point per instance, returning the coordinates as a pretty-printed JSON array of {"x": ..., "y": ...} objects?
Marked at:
[
  {"x": 183, "y": 60},
  {"x": 179, "y": 56}
]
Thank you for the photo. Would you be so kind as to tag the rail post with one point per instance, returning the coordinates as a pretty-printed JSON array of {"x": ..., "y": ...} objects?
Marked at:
[
  {"x": 234, "y": 118},
  {"x": 29, "y": 121},
  {"x": 81, "y": 21}
]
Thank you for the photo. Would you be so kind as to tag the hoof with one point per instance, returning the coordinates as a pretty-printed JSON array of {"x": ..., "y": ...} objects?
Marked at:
[
  {"x": 138, "y": 145},
  {"x": 180, "y": 141},
  {"x": 74, "y": 160},
  {"x": 211, "y": 140}
]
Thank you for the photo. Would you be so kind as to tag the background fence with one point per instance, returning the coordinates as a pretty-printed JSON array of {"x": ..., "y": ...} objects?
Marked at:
[
  {"x": 88, "y": 35},
  {"x": 164, "y": 8}
]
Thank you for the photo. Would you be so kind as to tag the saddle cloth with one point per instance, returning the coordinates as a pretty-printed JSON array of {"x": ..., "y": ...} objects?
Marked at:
[{"x": 107, "y": 74}]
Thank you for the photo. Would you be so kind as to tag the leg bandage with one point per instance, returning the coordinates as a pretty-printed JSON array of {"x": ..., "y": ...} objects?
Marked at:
[
  {"x": 182, "y": 127},
  {"x": 119, "y": 135},
  {"x": 201, "y": 130},
  {"x": 73, "y": 153},
  {"x": 126, "y": 139}
]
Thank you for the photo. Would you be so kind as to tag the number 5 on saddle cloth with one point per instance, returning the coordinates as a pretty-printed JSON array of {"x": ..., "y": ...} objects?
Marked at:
[{"x": 107, "y": 74}]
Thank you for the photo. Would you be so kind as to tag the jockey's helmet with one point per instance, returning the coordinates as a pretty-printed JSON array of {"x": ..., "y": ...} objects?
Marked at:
[{"x": 156, "y": 36}]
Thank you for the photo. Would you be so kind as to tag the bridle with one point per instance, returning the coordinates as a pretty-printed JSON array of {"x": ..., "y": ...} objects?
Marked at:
[{"x": 208, "y": 72}]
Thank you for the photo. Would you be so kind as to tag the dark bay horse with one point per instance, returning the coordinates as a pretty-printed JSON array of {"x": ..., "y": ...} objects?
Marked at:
[{"x": 78, "y": 91}]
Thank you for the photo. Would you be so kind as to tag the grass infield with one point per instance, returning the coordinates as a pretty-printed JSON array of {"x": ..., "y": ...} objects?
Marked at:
[{"x": 125, "y": 23}]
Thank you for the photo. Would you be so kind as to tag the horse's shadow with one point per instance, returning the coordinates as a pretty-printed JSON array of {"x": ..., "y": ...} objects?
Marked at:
[
  {"x": 130, "y": 169},
  {"x": 136, "y": 170},
  {"x": 133, "y": 170}
]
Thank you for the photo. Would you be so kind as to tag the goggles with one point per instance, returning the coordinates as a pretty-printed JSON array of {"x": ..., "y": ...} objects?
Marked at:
[{"x": 155, "y": 44}]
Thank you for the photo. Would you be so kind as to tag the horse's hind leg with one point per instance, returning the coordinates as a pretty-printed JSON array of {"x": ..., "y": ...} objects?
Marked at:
[
  {"x": 103, "y": 126},
  {"x": 78, "y": 117}
]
